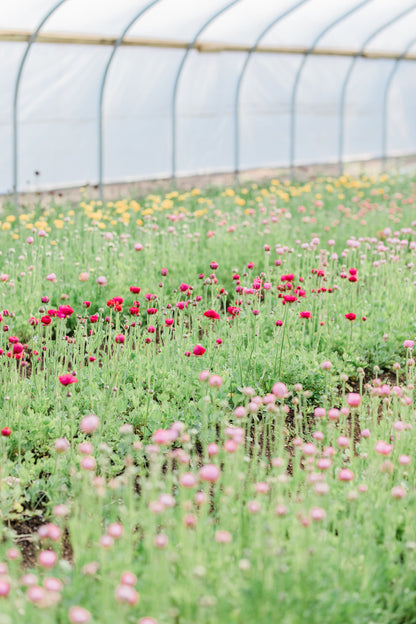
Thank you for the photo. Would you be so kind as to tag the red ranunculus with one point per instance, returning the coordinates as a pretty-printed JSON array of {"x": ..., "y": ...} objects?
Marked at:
[
  {"x": 351, "y": 316},
  {"x": 198, "y": 350},
  {"x": 211, "y": 314},
  {"x": 67, "y": 379}
]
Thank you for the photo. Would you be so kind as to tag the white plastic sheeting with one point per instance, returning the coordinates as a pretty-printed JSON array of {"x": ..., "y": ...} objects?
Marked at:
[{"x": 58, "y": 100}]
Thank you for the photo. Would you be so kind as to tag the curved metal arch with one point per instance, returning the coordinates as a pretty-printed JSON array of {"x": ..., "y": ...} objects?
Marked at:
[
  {"x": 385, "y": 100},
  {"x": 241, "y": 77},
  {"x": 179, "y": 74},
  {"x": 116, "y": 46},
  {"x": 348, "y": 76},
  {"x": 298, "y": 76},
  {"x": 30, "y": 42}
]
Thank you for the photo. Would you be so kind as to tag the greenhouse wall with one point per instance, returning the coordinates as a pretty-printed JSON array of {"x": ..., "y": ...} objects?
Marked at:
[{"x": 100, "y": 92}]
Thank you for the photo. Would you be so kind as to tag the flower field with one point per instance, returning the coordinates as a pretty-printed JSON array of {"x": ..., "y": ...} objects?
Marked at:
[{"x": 207, "y": 407}]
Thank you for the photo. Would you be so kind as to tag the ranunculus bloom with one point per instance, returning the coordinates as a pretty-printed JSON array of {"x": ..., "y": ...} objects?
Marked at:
[
  {"x": 209, "y": 472},
  {"x": 120, "y": 338},
  {"x": 211, "y": 314},
  {"x": 198, "y": 350},
  {"x": 67, "y": 379},
  {"x": 94, "y": 318},
  {"x": 64, "y": 311},
  {"x": 46, "y": 320},
  {"x": 152, "y": 310},
  {"x": 6, "y": 432},
  {"x": 353, "y": 399},
  {"x": 135, "y": 289},
  {"x": 350, "y": 316},
  {"x": 305, "y": 314}
]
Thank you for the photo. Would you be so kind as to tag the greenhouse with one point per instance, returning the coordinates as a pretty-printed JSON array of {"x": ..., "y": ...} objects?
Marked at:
[
  {"x": 207, "y": 294},
  {"x": 102, "y": 92}
]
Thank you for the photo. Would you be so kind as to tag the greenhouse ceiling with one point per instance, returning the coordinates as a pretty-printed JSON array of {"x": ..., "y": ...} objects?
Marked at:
[{"x": 97, "y": 91}]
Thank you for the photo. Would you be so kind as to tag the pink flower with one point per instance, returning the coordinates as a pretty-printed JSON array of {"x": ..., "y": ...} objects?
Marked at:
[
  {"x": 353, "y": 399},
  {"x": 187, "y": 480},
  {"x": 120, "y": 338},
  {"x": 215, "y": 381},
  {"x": 89, "y": 423},
  {"x": 280, "y": 390},
  {"x": 79, "y": 615},
  {"x": 67, "y": 379},
  {"x": 51, "y": 277},
  {"x": 305, "y": 314},
  {"x": 4, "y": 588},
  {"x": 138, "y": 246},
  {"x": 398, "y": 492},
  {"x": 101, "y": 280},
  {"x": 409, "y": 344},
  {"x": 365, "y": 433},
  {"x": 318, "y": 514},
  {"x": 164, "y": 436},
  {"x": 209, "y": 472},
  {"x": 47, "y": 558},
  {"x": 223, "y": 537},
  {"x": 327, "y": 365},
  {"x": 345, "y": 474},
  {"x": 343, "y": 442},
  {"x": 382, "y": 448},
  {"x": 404, "y": 460}
]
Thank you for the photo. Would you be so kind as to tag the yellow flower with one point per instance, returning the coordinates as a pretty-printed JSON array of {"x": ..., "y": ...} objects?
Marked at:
[
  {"x": 10, "y": 218},
  {"x": 59, "y": 224},
  {"x": 139, "y": 222},
  {"x": 6, "y": 226}
]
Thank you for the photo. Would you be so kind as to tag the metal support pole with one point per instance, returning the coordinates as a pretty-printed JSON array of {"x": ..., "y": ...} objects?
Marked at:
[
  {"x": 349, "y": 74},
  {"x": 179, "y": 74},
  {"x": 294, "y": 93},
  {"x": 241, "y": 77},
  {"x": 31, "y": 41},
  {"x": 102, "y": 89},
  {"x": 384, "y": 112}
]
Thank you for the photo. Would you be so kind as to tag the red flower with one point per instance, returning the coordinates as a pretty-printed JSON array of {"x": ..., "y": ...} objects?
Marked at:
[
  {"x": 351, "y": 316},
  {"x": 86, "y": 304},
  {"x": 152, "y": 310},
  {"x": 287, "y": 278},
  {"x": 169, "y": 322},
  {"x": 214, "y": 265},
  {"x": 120, "y": 338},
  {"x": 233, "y": 310},
  {"x": 279, "y": 323},
  {"x": 94, "y": 318},
  {"x": 67, "y": 379},
  {"x": 46, "y": 320},
  {"x": 353, "y": 271},
  {"x": 135, "y": 289},
  {"x": 305, "y": 314},
  {"x": 289, "y": 299},
  {"x": 134, "y": 310},
  {"x": 6, "y": 432},
  {"x": 211, "y": 314},
  {"x": 64, "y": 311},
  {"x": 198, "y": 350},
  {"x": 33, "y": 321}
]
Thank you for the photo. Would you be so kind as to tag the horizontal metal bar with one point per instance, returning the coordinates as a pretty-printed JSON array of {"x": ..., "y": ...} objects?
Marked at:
[{"x": 203, "y": 47}]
